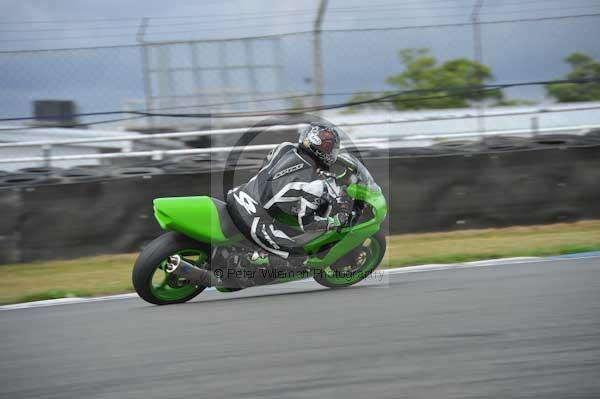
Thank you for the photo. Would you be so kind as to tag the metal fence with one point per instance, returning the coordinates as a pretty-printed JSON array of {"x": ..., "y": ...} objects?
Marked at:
[{"x": 274, "y": 71}]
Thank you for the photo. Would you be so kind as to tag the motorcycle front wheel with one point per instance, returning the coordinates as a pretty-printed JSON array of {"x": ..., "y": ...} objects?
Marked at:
[
  {"x": 357, "y": 265},
  {"x": 149, "y": 275}
]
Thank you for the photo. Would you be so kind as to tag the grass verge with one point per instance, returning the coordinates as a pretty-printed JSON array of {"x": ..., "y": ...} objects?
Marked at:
[
  {"x": 471, "y": 245},
  {"x": 111, "y": 274}
]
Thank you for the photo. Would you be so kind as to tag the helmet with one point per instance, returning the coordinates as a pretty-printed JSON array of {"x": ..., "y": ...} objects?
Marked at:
[{"x": 322, "y": 142}]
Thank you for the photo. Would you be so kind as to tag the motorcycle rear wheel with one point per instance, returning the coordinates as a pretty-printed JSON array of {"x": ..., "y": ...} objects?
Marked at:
[
  {"x": 356, "y": 266},
  {"x": 149, "y": 276}
]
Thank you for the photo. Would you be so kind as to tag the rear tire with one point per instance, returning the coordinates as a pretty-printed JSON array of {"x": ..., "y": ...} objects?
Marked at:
[
  {"x": 375, "y": 249},
  {"x": 152, "y": 260}
]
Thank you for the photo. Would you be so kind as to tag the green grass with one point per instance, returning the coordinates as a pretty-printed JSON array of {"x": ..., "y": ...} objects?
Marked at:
[
  {"x": 471, "y": 245},
  {"x": 111, "y": 274},
  {"x": 92, "y": 276}
]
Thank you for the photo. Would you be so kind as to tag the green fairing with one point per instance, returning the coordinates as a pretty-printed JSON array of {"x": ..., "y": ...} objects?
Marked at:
[
  {"x": 195, "y": 217},
  {"x": 352, "y": 236},
  {"x": 374, "y": 198}
]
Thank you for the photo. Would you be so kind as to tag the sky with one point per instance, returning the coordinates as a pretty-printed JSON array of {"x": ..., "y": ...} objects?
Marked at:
[{"x": 112, "y": 78}]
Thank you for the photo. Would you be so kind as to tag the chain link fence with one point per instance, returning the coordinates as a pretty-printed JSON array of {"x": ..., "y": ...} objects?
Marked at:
[{"x": 275, "y": 72}]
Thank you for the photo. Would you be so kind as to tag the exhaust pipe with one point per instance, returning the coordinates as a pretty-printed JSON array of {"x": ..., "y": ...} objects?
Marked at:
[{"x": 182, "y": 269}]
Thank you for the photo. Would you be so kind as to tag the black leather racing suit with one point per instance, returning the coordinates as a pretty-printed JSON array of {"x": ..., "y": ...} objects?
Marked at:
[{"x": 287, "y": 185}]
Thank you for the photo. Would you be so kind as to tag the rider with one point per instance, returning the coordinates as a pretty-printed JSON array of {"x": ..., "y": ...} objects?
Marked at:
[{"x": 292, "y": 183}]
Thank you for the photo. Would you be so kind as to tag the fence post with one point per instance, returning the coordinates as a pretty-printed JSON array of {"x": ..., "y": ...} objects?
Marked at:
[
  {"x": 145, "y": 58},
  {"x": 478, "y": 54},
  {"x": 317, "y": 63}
]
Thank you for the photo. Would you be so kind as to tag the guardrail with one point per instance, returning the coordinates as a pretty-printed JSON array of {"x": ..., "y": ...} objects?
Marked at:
[
  {"x": 199, "y": 133},
  {"x": 47, "y": 158},
  {"x": 578, "y": 130},
  {"x": 159, "y": 154}
]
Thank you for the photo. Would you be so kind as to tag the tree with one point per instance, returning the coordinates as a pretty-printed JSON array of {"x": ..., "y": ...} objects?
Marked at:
[
  {"x": 422, "y": 72},
  {"x": 582, "y": 67}
]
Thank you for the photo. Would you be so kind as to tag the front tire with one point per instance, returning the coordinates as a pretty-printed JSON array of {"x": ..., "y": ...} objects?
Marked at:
[
  {"x": 149, "y": 276},
  {"x": 356, "y": 266}
]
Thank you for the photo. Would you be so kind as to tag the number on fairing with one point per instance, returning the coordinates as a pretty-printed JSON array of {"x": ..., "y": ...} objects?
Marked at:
[{"x": 246, "y": 201}]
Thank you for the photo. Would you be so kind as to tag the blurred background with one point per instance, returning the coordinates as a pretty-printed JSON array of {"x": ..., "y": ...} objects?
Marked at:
[
  {"x": 486, "y": 113},
  {"x": 479, "y": 119}
]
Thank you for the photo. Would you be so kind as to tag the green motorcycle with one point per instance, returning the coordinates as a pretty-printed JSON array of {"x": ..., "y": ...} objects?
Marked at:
[{"x": 202, "y": 246}]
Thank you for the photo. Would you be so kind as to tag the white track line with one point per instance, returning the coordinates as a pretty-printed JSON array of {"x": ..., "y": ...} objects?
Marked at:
[{"x": 399, "y": 270}]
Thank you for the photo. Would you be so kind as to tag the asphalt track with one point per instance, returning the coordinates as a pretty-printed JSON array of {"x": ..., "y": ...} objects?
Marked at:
[{"x": 522, "y": 330}]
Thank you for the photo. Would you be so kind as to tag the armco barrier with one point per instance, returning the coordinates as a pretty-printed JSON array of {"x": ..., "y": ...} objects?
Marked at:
[
  {"x": 82, "y": 219},
  {"x": 505, "y": 183}
]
